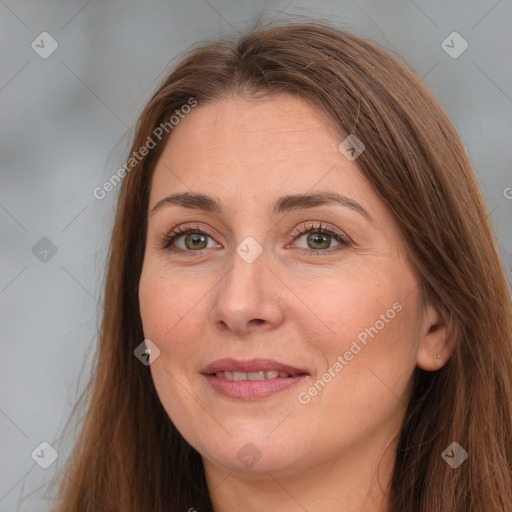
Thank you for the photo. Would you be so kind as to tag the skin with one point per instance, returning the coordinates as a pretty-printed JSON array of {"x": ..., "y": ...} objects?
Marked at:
[{"x": 289, "y": 304}]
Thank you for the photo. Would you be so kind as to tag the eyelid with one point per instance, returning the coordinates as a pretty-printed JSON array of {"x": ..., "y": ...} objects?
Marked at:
[{"x": 320, "y": 227}]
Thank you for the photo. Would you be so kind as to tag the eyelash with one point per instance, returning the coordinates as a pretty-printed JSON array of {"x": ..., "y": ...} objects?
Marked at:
[{"x": 176, "y": 233}]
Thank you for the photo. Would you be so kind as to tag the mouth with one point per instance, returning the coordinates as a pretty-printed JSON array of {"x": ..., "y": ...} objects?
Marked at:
[
  {"x": 253, "y": 376},
  {"x": 250, "y": 380},
  {"x": 254, "y": 369}
]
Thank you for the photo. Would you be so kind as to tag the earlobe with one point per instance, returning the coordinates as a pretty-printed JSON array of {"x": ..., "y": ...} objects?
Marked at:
[{"x": 438, "y": 339}]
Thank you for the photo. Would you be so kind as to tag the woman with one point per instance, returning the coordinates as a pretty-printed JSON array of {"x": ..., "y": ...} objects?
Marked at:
[{"x": 305, "y": 306}]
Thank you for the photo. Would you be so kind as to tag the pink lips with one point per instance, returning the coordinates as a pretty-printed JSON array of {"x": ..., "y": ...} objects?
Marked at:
[
  {"x": 253, "y": 365},
  {"x": 247, "y": 389}
]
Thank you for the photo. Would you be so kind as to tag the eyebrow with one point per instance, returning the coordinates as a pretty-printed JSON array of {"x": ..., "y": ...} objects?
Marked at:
[{"x": 284, "y": 204}]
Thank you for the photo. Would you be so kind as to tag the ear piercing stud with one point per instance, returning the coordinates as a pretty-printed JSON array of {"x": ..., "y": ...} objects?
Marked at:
[{"x": 438, "y": 356}]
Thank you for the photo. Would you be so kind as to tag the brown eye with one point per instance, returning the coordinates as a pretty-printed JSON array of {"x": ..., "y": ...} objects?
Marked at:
[
  {"x": 188, "y": 239},
  {"x": 196, "y": 241},
  {"x": 318, "y": 241}
]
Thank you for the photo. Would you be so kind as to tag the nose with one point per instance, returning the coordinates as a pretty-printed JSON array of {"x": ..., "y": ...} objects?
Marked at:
[{"x": 248, "y": 298}]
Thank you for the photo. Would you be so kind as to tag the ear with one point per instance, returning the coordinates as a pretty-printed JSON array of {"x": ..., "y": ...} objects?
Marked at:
[{"x": 438, "y": 339}]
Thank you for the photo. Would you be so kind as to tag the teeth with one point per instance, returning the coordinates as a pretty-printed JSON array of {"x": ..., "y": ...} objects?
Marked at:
[
  {"x": 256, "y": 375},
  {"x": 261, "y": 375}
]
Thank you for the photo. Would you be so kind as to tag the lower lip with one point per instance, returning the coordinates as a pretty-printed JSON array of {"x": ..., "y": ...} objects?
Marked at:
[{"x": 252, "y": 389}]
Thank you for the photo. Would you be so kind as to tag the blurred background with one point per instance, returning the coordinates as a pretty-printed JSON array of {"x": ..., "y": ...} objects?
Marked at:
[{"x": 75, "y": 76}]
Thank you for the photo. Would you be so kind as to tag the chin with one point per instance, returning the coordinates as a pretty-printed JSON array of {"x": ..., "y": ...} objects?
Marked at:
[{"x": 253, "y": 456}]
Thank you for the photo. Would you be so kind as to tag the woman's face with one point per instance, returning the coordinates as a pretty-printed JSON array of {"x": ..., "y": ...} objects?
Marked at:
[{"x": 275, "y": 276}]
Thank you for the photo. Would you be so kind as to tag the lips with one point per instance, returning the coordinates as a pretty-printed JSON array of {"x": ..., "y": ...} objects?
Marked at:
[
  {"x": 252, "y": 380},
  {"x": 252, "y": 366}
]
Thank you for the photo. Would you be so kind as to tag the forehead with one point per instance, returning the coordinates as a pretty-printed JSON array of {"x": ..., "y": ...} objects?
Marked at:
[{"x": 251, "y": 143}]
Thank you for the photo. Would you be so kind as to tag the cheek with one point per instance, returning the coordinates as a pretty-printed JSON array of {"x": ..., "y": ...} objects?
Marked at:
[
  {"x": 354, "y": 308},
  {"x": 369, "y": 339},
  {"x": 370, "y": 359},
  {"x": 172, "y": 311}
]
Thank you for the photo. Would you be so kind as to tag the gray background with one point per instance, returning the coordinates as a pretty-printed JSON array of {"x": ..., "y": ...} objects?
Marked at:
[{"x": 66, "y": 128}]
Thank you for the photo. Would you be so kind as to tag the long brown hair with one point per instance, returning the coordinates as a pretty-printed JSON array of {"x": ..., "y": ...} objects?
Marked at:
[{"x": 129, "y": 456}]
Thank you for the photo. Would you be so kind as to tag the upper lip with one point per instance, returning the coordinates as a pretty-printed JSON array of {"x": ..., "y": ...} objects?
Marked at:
[{"x": 252, "y": 365}]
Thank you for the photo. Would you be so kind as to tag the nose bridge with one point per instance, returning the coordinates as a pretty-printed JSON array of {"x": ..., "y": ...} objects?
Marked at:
[
  {"x": 245, "y": 280},
  {"x": 245, "y": 292}
]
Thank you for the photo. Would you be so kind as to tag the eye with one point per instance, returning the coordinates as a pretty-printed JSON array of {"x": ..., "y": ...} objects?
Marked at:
[
  {"x": 313, "y": 239},
  {"x": 318, "y": 238},
  {"x": 189, "y": 239}
]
